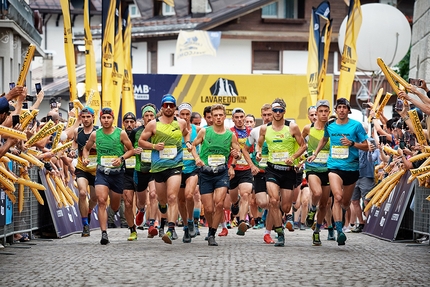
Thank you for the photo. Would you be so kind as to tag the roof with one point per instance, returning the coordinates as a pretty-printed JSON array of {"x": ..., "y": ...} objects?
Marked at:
[
  {"x": 54, "y": 6},
  {"x": 60, "y": 85}
]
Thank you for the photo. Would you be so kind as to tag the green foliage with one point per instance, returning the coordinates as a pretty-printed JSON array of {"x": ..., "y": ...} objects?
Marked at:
[{"x": 402, "y": 68}]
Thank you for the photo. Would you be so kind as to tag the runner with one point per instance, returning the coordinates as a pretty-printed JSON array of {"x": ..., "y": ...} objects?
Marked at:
[
  {"x": 110, "y": 142},
  {"x": 166, "y": 159},
  {"x": 281, "y": 137},
  {"x": 85, "y": 174},
  {"x": 216, "y": 142},
  {"x": 346, "y": 136}
]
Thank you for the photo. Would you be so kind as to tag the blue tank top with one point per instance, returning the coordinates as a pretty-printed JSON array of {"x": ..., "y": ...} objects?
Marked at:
[{"x": 188, "y": 159}]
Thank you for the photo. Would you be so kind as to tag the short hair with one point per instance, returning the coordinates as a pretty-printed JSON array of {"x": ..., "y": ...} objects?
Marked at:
[
  {"x": 218, "y": 107},
  {"x": 207, "y": 110},
  {"x": 194, "y": 115},
  {"x": 280, "y": 102},
  {"x": 252, "y": 116},
  {"x": 266, "y": 107}
]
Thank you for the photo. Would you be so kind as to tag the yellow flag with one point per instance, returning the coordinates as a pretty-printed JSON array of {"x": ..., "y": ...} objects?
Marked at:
[
  {"x": 69, "y": 50},
  {"x": 171, "y": 3},
  {"x": 128, "y": 103},
  {"x": 326, "y": 39},
  {"x": 91, "y": 86},
  {"x": 349, "y": 54},
  {"x": 312, "y": 70},
  {"x": 107, "y": 58},
  {"x": 118, "y": 62}
]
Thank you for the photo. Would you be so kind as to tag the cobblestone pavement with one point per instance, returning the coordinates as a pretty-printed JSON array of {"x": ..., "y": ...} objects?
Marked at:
[{"x": 237, "y": 261}]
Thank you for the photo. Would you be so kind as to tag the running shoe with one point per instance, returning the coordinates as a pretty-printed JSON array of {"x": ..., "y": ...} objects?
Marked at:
[
  {"x": 192, "y": 231},
  {"x": 289, "y": 225},
  {"x": 152, "y": 231},
  {"x": 316, "y": 239},
  {"x": 310, "y": 218},
  {"x": 296, "y": 225},
  {"x": 211, "y": 241},
  {"x": 330, "y": 235},
  {"x": 197, "y": 230},
  {"x": 167, "y": 237},
  {"x": 242, "y": 228},
  {"x": 346, "y": 229},
  {"x": 268, "y": 239},
  {"x": 187, "y": 237},
  {"x": 341, "y": 238},
  {"x": 357, "y": 229},
  {"x": 163, "y": 209},
  {"x": 105, "y": 239},
  {"x": 139, "y": 218},
  {"x": 302, "y": 226},
  {"x": 174, "y": 235},
  {"x": 228, "y": 225},
  {"x": 161, "y": 232},
  {"x": 224, "y": 232},
  {"x": 133, "y": 236},
  {"x": 281, "y": 240},
  {"x": 86, "y": 231},
  {"x": 235, "y": 208}
]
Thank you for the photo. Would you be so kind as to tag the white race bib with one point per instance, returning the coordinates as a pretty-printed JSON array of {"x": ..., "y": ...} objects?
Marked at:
[
  {"x": 169, "y": 152},
  {"x": 106, "y": 160},
  {"x": 93, "y": 161},
  {"x": 263, "y": 161},
  {"x": 322, "y": 157},
  {"x": 339, "y": 152},
  {"x": 279, "y": 156},
  {"x": 130, "y": 162},
  {"x": 216, "y": 160},
  {"x": 242, "y": 161},
  {"x": 145, "y": 155},
  {"x": 186, "y": 155}
]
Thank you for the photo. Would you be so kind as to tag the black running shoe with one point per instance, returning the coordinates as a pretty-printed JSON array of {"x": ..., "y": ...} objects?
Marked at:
[{"x": 105, "y": 239}]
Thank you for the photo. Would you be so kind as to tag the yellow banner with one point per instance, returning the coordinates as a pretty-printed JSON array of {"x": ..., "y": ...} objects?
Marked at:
[
  {"x": 69, "y": 50},
  {"x": 128, "y": 103},
  {"x": 349, "y": 54},
  {"x": 118, "y": 63},
  {"x": 312, "y": 70},
  {"x": 197, "y": 43},
  {"x": 107, "y": 58},
  {"x": 91, "y": 85},
  {"x": 326, "y": 40}
]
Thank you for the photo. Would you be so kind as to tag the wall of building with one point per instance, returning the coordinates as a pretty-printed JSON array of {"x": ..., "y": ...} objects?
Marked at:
[{"x": 420, "y": 44}]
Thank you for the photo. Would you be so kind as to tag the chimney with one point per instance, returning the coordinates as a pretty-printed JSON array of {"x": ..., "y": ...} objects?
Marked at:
[{"x": 48, "y": 69}]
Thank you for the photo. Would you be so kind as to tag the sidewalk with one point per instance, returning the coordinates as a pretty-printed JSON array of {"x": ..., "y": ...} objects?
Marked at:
[{"x": 237, "y": 261}]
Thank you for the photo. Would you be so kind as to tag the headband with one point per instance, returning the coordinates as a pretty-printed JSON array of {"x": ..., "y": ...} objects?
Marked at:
[
  {"x": 184, "y": 106},
  {"x": 148, "y": 109}
]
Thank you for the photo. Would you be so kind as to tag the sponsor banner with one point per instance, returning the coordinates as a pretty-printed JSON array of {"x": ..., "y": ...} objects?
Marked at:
[
  {"x": 249, "y": 92},
  {"x": 197, "y": 43},
  {"x": 384, "y": 222},
  {"x": 67, "y": 219}
]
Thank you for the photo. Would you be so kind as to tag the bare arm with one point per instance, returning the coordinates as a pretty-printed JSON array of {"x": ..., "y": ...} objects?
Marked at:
[
  {"x": 146, "y": 134},
  {"x": 86, "y": 150},
  {"x": 198, "y": 140},
  {"x": 295, "y": 132}
]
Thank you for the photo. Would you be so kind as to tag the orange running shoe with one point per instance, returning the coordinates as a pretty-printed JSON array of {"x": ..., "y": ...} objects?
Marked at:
[
  {"x": 224, "y": 232},
  {"x": 268, "y": 239}
]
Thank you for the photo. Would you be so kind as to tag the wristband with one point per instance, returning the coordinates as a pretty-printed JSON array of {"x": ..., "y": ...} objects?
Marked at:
[
  {"x": 233, "y": 165},
  {"x": 189, "y": 142},
  {"x": 405, "y": 118},
  {"x": 153, "y": 146},
  {"x": 352, "y": 143}
]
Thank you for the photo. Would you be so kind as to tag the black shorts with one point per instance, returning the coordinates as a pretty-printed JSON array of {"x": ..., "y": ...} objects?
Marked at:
[
  {"x": 323, "y": 176},
  {"x": 348, "y": 177},
  {"x": 284, "y": 179},
  {"x": 186, "y": 176},
  {"x": 143, "y": 179},
  {"x": 85, "y": 174},
  {"x": 299, "y": 179},
  {"x": 209, "y": 182},
  {"x": 129, "y": 182},
  {"x": 241, "y": 176},
  {"x": 260, "y": 182},
  {"x": 113, "y": 182},
  {"x": 164, "y": 175}
]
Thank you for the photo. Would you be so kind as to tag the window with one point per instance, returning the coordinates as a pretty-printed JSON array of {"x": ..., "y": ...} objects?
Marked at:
[
  {"x": 266, "y": 62},
  {"x": 168, "y": 10},
  {"x": 134, "y": 11},
  {"x": 283, "y": 9}
]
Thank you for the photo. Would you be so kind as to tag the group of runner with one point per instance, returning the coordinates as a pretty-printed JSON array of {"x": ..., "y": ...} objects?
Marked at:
[{"x": 224, "y": 169}]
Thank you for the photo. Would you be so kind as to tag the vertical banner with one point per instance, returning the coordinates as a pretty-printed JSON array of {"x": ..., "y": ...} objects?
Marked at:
[
  {"x": 325, "y": 40},
  {"x": 69, "y": 50},
  {"x": 118, "y": 62},
  {"x": 349, "y": 54},
  {"x": 91, "y": 86},
  {"x": 128, "y": 103},
  {"x": 313, "y": 68},
  {"x": 107, "y": 53}
]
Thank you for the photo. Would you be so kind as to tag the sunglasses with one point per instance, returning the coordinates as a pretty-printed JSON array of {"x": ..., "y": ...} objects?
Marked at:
[
  {"x": 106, "y": 111},
  {"x": 168, "y": 105},
  {"x": 311, "y": 107},
  {"x": 278, "y": 111}
]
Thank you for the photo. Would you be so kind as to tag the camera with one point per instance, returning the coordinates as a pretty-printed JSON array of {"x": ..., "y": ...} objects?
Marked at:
[
  {"x": 15, "y": 120},
  {"x": 415, "y": 82},
  {"x": 25, "y": 106},
  {"x": 11, "y": 85},
  {"x": 29, "y": 98},
  {"x": 399, "y": 105},
  {"x": 383, "y": 139},
  {"x": 53, "y": 105},
  {"x": 71, "y": 106},
  {"x": 48, "y": 166},
  {"x": 38, "y": 88}
]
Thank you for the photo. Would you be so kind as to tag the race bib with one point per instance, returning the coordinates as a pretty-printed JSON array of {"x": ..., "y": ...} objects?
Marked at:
[
  {"x": 93, "y": 161},
  {"x": 186, "y": 155},
  {"x": 130, "y": 162},
  {"x": 322, "y": 157},
  {"x": 279, "y": 156},
  {"x": 216, "y": 160},
  {"x": 339, "y": 152},
  {"x": 263, "y": 161},
  {"x": 169, "y": 152},
  {"x": 145, "y": 155},
  {"x": 106, "y": 160},
  {"x": 242, "y": 161}
]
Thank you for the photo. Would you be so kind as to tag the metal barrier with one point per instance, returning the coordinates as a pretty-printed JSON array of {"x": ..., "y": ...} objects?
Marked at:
[
  {"x": 422, "y": 211},
  {"x": 28, "y": 219}
]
